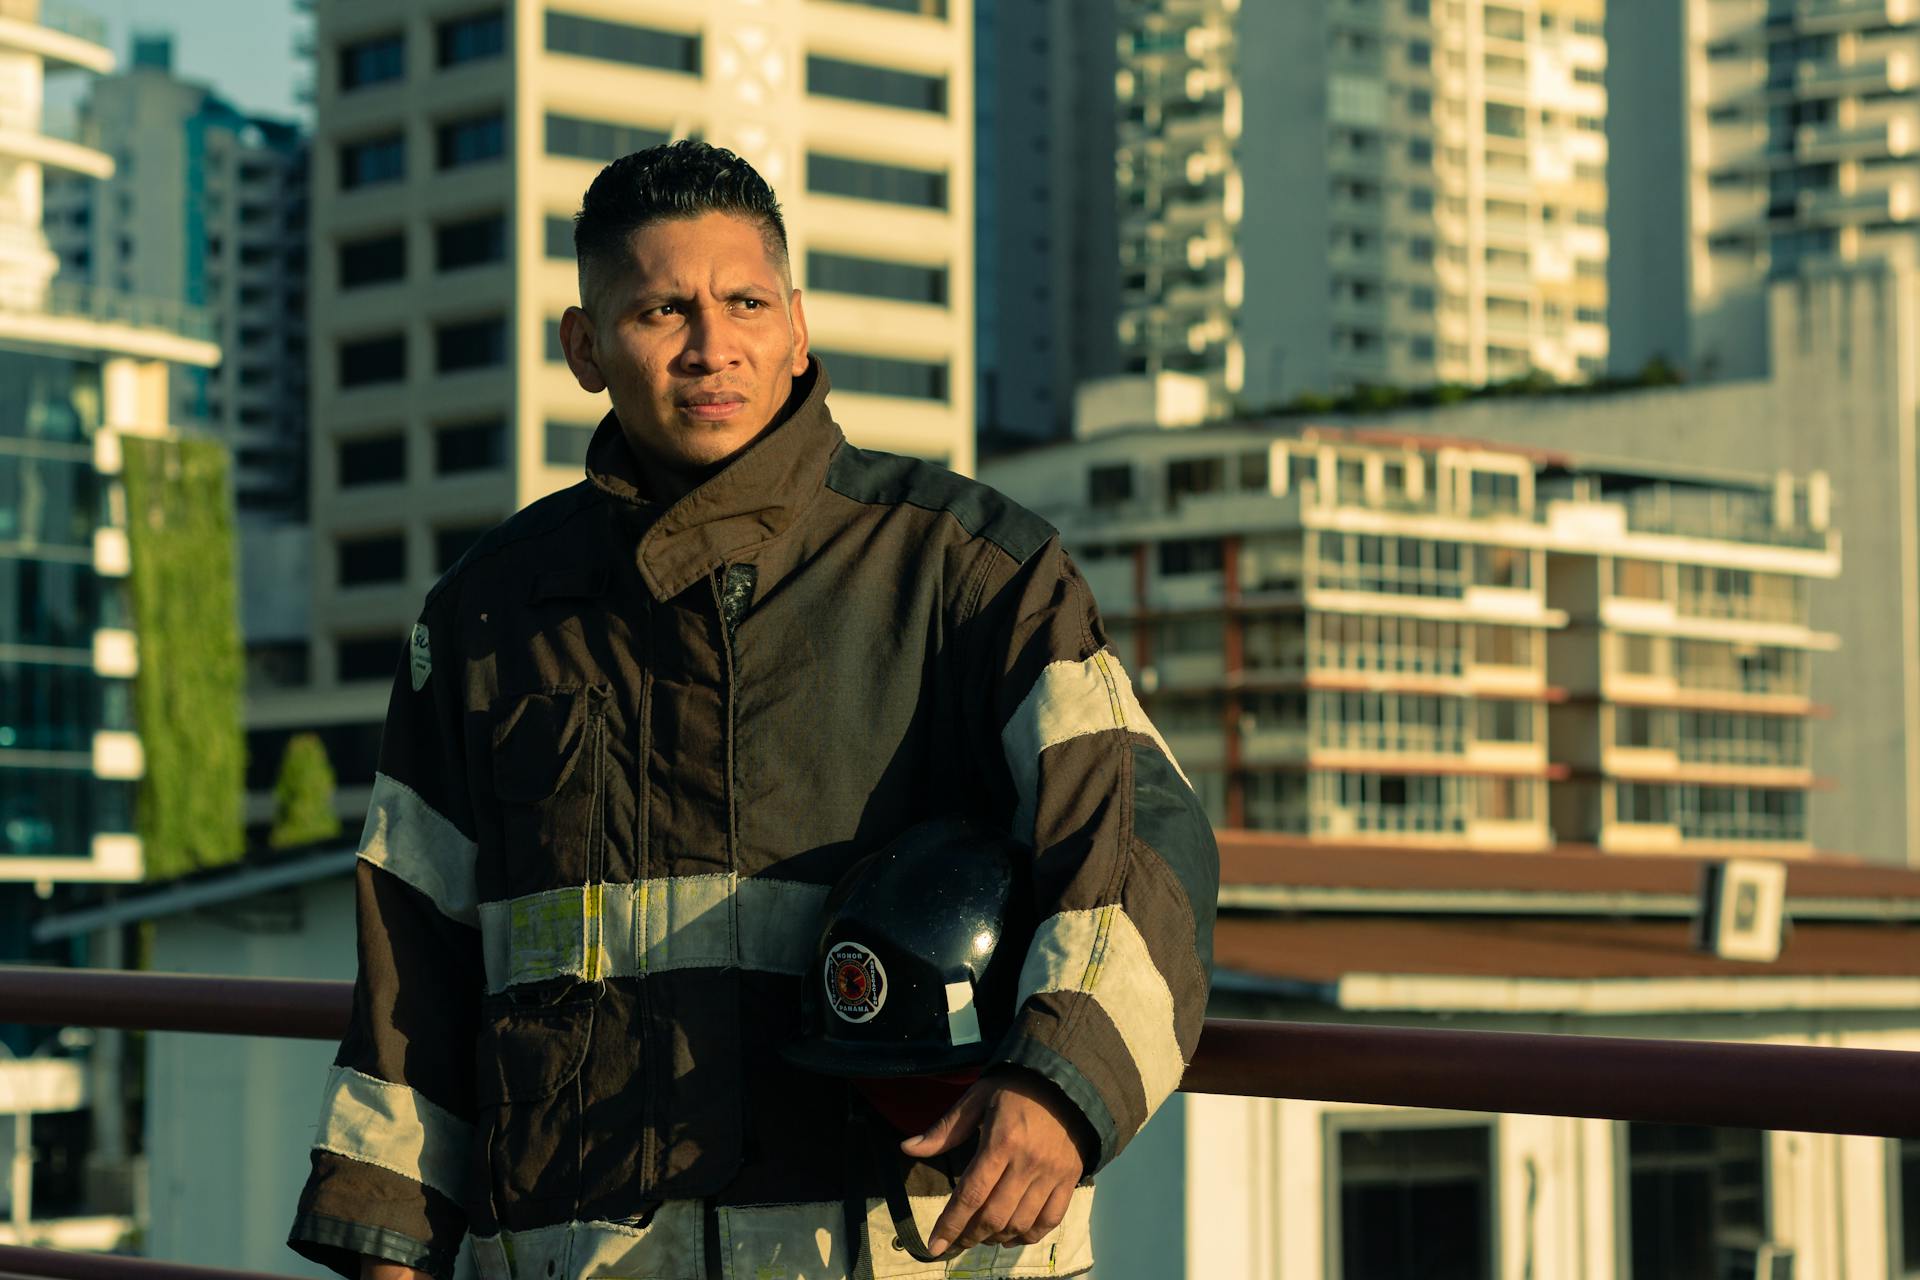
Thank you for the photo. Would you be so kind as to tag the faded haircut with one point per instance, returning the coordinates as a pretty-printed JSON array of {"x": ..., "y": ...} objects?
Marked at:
[{"x": 683, "y": 179}]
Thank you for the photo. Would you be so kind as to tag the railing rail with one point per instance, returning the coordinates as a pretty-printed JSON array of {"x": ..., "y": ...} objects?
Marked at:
[{"x": 1874, "y": 1092}]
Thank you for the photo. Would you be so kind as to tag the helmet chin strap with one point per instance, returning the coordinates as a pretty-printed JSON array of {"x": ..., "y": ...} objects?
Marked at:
[{"x": 869, "y": 1136}]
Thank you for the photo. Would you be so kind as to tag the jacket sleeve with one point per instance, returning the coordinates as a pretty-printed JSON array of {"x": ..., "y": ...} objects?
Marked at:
[
  {"x": 1114, "y": 989},
  {"x": 390, "y": 1152}
]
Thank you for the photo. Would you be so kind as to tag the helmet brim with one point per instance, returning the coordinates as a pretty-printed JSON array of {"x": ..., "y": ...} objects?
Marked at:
[{"x": 882, "y": 1061}]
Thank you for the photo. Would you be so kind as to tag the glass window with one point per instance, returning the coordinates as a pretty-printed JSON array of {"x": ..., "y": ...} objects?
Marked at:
[
  {"x": 600, "y": 140},
  {"x": 48, "y": 502},
  {"x": 367, "y": 361},
  {"x": 1635, "y": 655},
  {"x": 1302, "y": 468},
  {"x": 1639, "y": 579},
  {"x": 363, "y": 659},
  {"x": 470, "y": 141},
  {"x": 1697, "y": 1200},
  {"x": 470, "y": 446},
  {"x": 471, "y": 242},
  {"x": 469, "y": 39},
  {"x": 1507, "y": 799},
  {"x": 1189, "y": 477},
  {"x": 622, "y": 42},
  {"x": 55, "y": 812},
  {"x": 450, "y": 544},
  {"x": 559, "y": 234},
  {"x": 353, "y": 749},
  {"x": 1642, "y": 802},
  {"x": 886, "y": 375},
  {"x": 1509, "y": 567},
  {"x": 378, "y": 559},
  {"x": 1907, "y": 1171},
  {"x": 373, "y": 460},
  {"x": 1254, "y": 470},
  {"x": 1110, "y": 485},
  {"x": 865, "y": 180},
  {"x": 1415, "y": 1203},
  {"x": 1498, "y": 646},
  {"x": 1181, "y": 556},
  {"x": 873, "y": 278},
  {"x": 1505, "y": 721},
  {"x": 51, "y": 708},
  {"x": 1495, "y": 492},
  {"x": 375, "y": 61},
  {"x": 45, "y": 603},
  {"x": 383, "y": 159},
  {"x": 471, "y": 344},
  {"x": 1504, "y": 121},
  {"x": 883, "y": 86},
  {"x": 567, "y": 443},
  {"x": 556, "y": 349},
  {"x": 1641, "y": 727}
]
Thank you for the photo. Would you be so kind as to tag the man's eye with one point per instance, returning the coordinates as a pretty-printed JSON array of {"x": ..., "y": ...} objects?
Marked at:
[
  {"x": 752, "y": 304},
  {"x": 664, "y": 309}
]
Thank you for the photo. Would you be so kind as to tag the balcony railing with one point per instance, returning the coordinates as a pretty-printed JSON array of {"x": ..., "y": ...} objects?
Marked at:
[
  {"x": 109, "y": 306},
  {"x": 72, "y": 20},
  {"x": 1870, "y": 1092}
]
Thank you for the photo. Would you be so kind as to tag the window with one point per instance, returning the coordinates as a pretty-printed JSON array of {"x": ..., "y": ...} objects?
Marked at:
[
  {"x": 1301, "y": 469},
  {"x": 470, "y": 242},
  {"x": 1639, "y": 579},
  {"x": 1110, "y": 485},
  {"x": 559, "y": 235},
  {"x": 1906, "y": 1166},
  {"x": 886, "y": 375},
  {"x": 1189, "y": 477},
  {"x": 469, "y": 39},
  {"x": 374, "y": 260},
  {"x": 872, "y": 278},
  {"x": 1253, "y": 470},
  {"x": 1506, "y": 799},
  {"x": 883, "y": 86},
  {"x": 1642, "y": 728},
  {"x": 1642, "y": 803},
  {"x": 567, "y": 443},
  {"x": 865, "y": 180},
  {"x": 1697, "y": 1199},
  {"x": 1503, "y": 720},
  {"x": 470, "y": 446},
  {"x": 1415, "y": 1203},
  {"x": 373, "y": 360},
  {"x": 472, "y": 344},
  {"x": 383, "y": 159},
  {"x": 1182, "y": 556},
  {"x": 1498, "y": 646},
  {"x": 375, "y": 61},
  {"x": 366, "y": 660},
  {"x": 1503, "y": 23},
  {"x": 373, "y": 460},
  {"x": 1394, "y": 565},
  {"x": 1189, "y": 637},
  {"x": 1419, "y": 53},
  {"x": 450, "y": 544},
  {"x": 1506, "y": 567},
  {"x": 556, "y": 348},
  {"x": 471, "y": 141},
  {"x": 371, "y": 561},
  {"x": 1403, "y": 722},
  {"x": 1495, "y": 492},
  {"x": 622, "y": 42},
  {"x": 1505, "y": 121},
  {"x": 597, "y": 139},
  {"x": 1634, "y": 655}
]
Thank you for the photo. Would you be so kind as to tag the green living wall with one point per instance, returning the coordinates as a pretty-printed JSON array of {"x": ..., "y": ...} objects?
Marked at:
[{"x": 188, "y": 693}]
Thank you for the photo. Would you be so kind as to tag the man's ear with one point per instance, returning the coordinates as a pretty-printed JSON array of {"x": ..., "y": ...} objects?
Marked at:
[
  {"x": 576, "y": 340},
  {"x": 800, "y": 352}
]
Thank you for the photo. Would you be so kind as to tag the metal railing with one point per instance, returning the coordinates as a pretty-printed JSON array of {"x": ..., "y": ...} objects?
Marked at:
[{"x": 1869, "y": 1092}]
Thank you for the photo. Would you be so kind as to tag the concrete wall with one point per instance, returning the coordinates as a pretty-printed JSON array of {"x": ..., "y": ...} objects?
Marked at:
[{"x": 230, "y": 1118}]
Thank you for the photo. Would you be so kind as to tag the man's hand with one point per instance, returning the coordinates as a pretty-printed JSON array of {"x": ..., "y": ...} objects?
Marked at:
[
  {"x": 1023, "y": 1174},
  {"x": 375, "y": 1269}
]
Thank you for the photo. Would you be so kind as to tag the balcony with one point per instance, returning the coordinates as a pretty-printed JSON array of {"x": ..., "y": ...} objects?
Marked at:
[
  {"x": 1854, "y": 142},
  {"x": 1891, "y": 203},
  {"x": 1844, "y": 77},
  {"x": 1823, "y": 16},
  {"x": 65, "y": 35},
  {"x": 92, "y": 318}
]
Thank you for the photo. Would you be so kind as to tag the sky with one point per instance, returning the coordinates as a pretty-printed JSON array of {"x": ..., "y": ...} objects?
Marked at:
[{"x": 242, "y": 48}]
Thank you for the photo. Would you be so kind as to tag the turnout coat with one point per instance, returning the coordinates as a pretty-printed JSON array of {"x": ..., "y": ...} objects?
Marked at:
[{"x": 629, "y": 749}]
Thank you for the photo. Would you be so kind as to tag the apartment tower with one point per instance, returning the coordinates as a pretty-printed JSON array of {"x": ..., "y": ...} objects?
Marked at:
[
  {"x": 1316, "y": 197},
  {"x": 454, "y": 142}
]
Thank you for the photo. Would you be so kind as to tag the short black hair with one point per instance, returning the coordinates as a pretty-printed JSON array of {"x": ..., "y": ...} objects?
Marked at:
[{"x": 683, "y": 179}]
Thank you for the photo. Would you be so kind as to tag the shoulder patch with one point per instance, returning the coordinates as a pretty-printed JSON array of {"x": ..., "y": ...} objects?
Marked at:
[
  {"x": 891, "y": 479},
  {"x": 419, "y": 657}
]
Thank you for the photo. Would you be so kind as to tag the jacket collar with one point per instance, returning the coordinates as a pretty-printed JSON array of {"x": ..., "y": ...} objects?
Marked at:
[{"x": 756, "y": 498}]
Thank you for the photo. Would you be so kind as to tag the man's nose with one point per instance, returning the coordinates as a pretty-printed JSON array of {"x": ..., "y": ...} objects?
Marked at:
[{"x": 711, "y": 341}]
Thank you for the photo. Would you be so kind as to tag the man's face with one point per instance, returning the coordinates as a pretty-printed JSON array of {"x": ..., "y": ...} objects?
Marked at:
[{"x": 697, "y": 342}]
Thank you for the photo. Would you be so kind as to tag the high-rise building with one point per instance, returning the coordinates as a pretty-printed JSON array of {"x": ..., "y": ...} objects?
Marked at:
[
  {"x": 1367, "y": 636},
  {"x": 79, "y": 368},
  {"x": 1754, "y": 136},
  {"x": 1046, "y": 246},
  {"x": 1318, "y": 196},
  {"x": 452, "y": 148},
  {"x": 207, "y": 204}
]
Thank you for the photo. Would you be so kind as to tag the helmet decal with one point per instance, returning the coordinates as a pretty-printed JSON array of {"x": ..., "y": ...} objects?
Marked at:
[{"x": 856, "y": 982}]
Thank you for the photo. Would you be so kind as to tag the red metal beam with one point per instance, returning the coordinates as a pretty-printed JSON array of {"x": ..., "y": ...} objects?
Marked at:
[{"x": 1793, "y": 1087}]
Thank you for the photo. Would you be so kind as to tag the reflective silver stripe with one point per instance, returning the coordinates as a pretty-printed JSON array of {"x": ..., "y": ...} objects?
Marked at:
[
  {"x": 1069, "y": 700},
  {"x": 393, "y": 1127},
  {"x": 1101, "y": 953},
  {"x": 590, "y": 932},
  {"x": 410, "y": 840},
  {"x": 805, "y": 1241}
]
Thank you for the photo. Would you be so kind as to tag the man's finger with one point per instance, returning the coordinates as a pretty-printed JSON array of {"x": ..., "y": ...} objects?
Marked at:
[
  {"x": 953, "y": 1128},
  {"x": 1055, "y": 1212},
  {"x": 998, "y": 1211},
  {"x": 1020, "y": 1223},
  {"x": 970, "y": 1195}
]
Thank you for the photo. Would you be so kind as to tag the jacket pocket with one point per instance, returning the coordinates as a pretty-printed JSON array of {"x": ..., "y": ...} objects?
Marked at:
[
  {"x": 549, "y": 764},
  {"x": 528, "y": 1084}
]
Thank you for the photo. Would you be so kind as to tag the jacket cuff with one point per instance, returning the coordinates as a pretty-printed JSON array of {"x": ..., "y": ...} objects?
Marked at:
[
  {"x": 1024, "y": 1051},
  {"x": 340, "y": 1245}
]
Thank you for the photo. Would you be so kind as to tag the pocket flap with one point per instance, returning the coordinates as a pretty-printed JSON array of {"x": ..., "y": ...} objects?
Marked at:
[
  {"x": 527, "y": 1052},
  {"x": 536, "y": 743}
]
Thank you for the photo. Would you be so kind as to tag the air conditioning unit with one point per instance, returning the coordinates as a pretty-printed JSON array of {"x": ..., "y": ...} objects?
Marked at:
[{"x": 1742, "y": 913}]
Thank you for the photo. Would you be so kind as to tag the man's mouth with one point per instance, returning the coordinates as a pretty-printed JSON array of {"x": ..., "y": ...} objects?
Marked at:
[{"x": 713, "y": 406}]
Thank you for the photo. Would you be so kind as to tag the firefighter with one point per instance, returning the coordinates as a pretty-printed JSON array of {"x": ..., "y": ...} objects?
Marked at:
[{"x": 638, "y": 733}]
